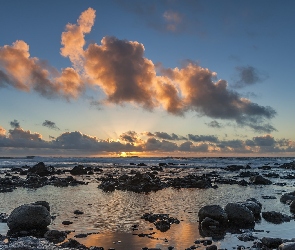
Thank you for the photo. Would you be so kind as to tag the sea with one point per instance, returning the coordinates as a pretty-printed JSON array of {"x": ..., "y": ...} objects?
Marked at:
[
  {"x": 206, "y": 162},
  {"x": 109, "y": 218}
]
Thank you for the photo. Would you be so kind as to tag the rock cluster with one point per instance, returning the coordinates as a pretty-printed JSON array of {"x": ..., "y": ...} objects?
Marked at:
[
  {"x": 215, "y": 220},
  {"x": 37, "y": 176},
  {"x": 161, "y": 221}
]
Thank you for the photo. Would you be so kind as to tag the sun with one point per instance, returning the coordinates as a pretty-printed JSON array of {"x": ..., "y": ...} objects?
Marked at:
[{"x": 123, "y": 154}]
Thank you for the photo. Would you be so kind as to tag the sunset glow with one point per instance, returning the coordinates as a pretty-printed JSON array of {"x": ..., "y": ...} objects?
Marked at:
[{"x": 167, "y": 81}]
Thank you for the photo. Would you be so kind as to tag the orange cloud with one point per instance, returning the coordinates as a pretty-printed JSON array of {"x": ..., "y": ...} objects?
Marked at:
[
  {"x": 173, "y": 19},
  {"x": 23, "y": 72},
  {"x": 2, "y": 131},
  {"x": 73, "y": 38},
  {"x": 121, "y": 70}
]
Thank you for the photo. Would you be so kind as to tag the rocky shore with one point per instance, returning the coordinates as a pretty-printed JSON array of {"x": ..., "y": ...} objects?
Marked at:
[{"x": 29, "y": 224}]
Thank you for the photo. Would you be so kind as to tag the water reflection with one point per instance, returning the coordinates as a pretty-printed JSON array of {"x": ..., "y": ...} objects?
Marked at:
[
  {"x": 180, "y": 236},
  {"x": 112, "y": 215}
]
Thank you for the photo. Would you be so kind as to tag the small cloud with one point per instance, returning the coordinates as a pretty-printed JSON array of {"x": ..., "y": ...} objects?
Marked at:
[
  {"x": 214, "y": 124},
  {"x": 172, "y": 19},
  {"x": 130, "y": 137},
  {"x": 96, "y": 104},
  {"x": 234, "y": 58},
  {"x": 50, "y": 124},
  {"x": 200, "y": 138},
  {"x": 2, "y": 131},
  {"x": 248, "y": 76},
  {"x": 15, "y": 124},
  {"x": 166, "y": 136}
]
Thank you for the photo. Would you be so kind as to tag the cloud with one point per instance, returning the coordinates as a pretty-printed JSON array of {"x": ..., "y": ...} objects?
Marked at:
[
  {"x": 248, "y": 75},
  {"x": 173, "y": 20},
  {"x": 201, "y": 94},
  {"x": 190, "y": 147},
  {"x": 152, "y": 144},
  {"x": 199, "y": 138},
  {"x": 19, "y": 70},
  {"x": 50, "y": 124},
  {"x": 77, "y": 143},
  {"x": 166, "y": 136},
  {"x": 166, "y": 16},
  {"x": 2, "y": 131},
  {"x": 130, "y": 136},
  {"x": 214, "y": 124},
  {"x": 120, "y": 69},
  {"x": 266, "y": 140},
  {"x": 73, "y": 38},
  {"x": 14, "y": 124}
]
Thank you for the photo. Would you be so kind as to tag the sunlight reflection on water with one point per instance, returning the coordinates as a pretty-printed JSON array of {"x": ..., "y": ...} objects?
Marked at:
[{"x": 111, "y": 215}]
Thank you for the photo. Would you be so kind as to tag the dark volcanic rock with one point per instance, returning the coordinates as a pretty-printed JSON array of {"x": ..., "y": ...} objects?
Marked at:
[
  {"x": 253, "y": 205},
  {"x": 161, "y": 221},
  {"x": 42, "y": 203},
  {"x": 138, "y": 183},
  {"x": 292, "y": 207},
  {"x": 214, "y": 212},
  {"x": 288, "y": 197},
  {"x": 41, "y": 170},
  {"x": 67, "y": 222},
  {"x": 162, "y": 225},
  {"x": 78, "y": 170},
  {"x": 71, "y": 243},
  {"x": 234, "y": 167},
  {"x": 259, "y": 180},
  {"x": 275, "y": 217},
  {"x": 239, "y": 215},
  {"x": 3, "y": 217},
  {"x": 29, "y": 216},
  {"x": 290, "y": 165},
  {"x": 287, "y": 246},
  {"x": 55, "y": 236},
  {"x": 271, "y": 242}
]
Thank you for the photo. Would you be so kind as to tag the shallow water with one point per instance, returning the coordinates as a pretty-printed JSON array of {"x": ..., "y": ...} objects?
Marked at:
[{"x": 111, "y": 215}]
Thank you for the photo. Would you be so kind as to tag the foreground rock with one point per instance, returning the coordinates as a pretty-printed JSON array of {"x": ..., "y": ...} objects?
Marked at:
[
  {"x": 215, "y": 221},
  {"x": 29, "y": 216},
  {"x": 239, "y": 215},
  {"x": 214, "y": 212},
  {"x": 275, "y": 217}
]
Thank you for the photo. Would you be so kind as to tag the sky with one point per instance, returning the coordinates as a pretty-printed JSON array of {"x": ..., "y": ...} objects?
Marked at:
[{"x": 182, "y": 78}]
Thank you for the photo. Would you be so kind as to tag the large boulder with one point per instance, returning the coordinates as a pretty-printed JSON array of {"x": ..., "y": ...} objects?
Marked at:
[
  {"x": 28, "y": 217},
  {"x": 41, "y": 170},
  {"x": 260, "y": 180},
  {"x": 253, "y": 205},
  {"x": 214, "y": 212},
  {"x": 239, "y": 215}
]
